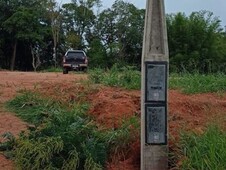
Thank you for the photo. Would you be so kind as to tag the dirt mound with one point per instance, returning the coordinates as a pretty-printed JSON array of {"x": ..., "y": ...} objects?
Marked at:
[
  {"x": 193, "y": 112},
  {"x": 186, "y": 112},
  {"x": 112, "y": 105},
  {"x": 109, "y": 106}
]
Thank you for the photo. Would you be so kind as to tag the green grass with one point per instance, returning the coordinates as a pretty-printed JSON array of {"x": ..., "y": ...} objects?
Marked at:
[
  {"x": 126, "y": 77},
  {"x": 58, "y": 136},
  {"x": 129, "y": 78},
  {"x": 62, "y": 137},
  {"x": 198, "y": 83},
  {"x": 206, "y": 151}
]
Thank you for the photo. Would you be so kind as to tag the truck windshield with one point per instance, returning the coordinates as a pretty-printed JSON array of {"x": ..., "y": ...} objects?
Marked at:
[{"x": 75, "y": 55}]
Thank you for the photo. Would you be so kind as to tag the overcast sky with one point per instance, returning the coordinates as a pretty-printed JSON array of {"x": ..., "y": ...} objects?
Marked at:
[{"x": 218, "y": 7}]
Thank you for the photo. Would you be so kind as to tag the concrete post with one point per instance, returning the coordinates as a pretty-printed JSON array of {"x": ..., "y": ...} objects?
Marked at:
[{"x": 154, "y": 93}]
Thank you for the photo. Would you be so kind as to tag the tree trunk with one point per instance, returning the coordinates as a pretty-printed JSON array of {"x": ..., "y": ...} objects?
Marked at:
[
  {"x": 55, "y": 32},
  {"x": 35, "y": 59},
  {"x": 12, "y": 64},
  {"x": 55, "y": 56}
]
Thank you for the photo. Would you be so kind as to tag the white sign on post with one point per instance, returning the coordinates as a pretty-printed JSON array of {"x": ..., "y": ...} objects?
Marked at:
[
  {"x": 156, "y": 126},
  {"x": 156, "y": 81}
]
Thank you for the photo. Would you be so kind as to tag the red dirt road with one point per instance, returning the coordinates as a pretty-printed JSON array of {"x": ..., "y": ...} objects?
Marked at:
[{"x": 109, "y": 106}]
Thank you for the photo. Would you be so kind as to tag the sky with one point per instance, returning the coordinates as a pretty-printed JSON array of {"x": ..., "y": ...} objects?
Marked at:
[{"x": 218, "y": 7}]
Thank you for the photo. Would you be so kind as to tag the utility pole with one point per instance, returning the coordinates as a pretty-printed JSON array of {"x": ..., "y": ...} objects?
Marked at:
[{"x": 154, "y": 92}]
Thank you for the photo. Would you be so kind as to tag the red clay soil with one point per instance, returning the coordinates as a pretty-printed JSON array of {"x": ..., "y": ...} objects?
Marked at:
[
  {"x": 109, "y": 106},
  {"x": 186, "y": 112}
]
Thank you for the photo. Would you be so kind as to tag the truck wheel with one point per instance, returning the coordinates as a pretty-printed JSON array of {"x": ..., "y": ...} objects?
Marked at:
[
  {"x": 65, "y": 71},
  {"x": 84, "y": 70}
]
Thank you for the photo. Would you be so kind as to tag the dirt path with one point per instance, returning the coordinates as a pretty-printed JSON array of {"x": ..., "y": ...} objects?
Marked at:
[{"x": 10, "y": 84}]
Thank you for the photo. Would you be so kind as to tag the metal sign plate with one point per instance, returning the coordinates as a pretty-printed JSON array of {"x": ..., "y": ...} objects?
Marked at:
[
  {"x": 156, "y": 81},
  {"x": 156, "y": 124}
]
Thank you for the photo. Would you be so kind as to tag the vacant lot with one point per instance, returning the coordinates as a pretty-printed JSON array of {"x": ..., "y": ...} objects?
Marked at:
[{"x": 108, "y": 106}]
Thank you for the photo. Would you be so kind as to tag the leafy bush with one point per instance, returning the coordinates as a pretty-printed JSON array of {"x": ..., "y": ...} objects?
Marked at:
[{"x": 206, "y": 151}]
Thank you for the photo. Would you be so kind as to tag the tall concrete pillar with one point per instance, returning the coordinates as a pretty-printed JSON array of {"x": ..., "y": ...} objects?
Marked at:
[{"x": 154, "y": 92}]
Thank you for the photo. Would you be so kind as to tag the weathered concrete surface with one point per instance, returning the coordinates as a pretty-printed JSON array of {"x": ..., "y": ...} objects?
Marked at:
[{"x": 155, "y": 48}]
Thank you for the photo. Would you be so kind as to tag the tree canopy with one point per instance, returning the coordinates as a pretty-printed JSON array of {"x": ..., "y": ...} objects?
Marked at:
[{"x": 42, "y": 30}]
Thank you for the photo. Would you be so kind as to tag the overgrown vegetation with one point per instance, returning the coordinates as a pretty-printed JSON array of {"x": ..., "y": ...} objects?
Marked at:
[
  {"x": 205, "y": 151},
  {"x": 63, "y": 138},
  {"x": 198, "y": 83},
  {"x": 127, "y": 77}
]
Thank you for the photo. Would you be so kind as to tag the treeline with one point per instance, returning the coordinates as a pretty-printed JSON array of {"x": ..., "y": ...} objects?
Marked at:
[
  {"x": 36, "y": 33},
  {"x": 197, "y": 43}
]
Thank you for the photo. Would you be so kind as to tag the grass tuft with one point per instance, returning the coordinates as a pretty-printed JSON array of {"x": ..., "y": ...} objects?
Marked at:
[
  {"x": 206, "y": 151},
  {"x": 198, "y": 83},
  {"x": 126, "y": 77}
]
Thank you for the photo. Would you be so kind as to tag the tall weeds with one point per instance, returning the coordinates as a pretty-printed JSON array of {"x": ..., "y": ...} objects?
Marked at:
[
  {"x": 198, "y": 83},
  {"x": 126, "y": 77},
  {"x": 64, "y": 138},
  {"x": 206, "y": 151},
  {"x": 61, "y": 139}
]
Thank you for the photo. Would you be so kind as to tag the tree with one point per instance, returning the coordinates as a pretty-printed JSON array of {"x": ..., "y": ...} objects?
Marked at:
[
  {"x": 6, "y": 10},
  {"x": 120, "y": 29},
  {"x": 195, "y": 42},
  {"x": 105, "y": 29},
  {"x": 79, "y": 20},
  {"x": 55, "y": 17},
  {"x": 35, "y": 52},
  {"x": 25, "y": 25},
  {"x": 97, "y": 55}
]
